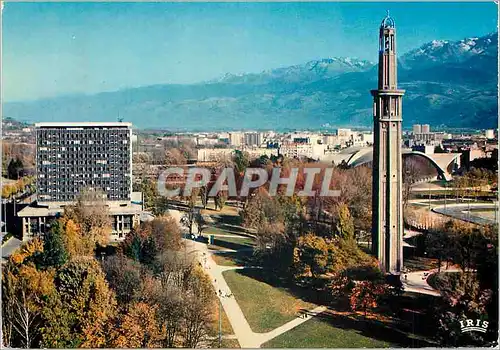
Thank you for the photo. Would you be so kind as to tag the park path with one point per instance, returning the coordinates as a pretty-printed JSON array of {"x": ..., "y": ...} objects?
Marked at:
[
  {"x": 417, "y": 281},
  {"x": 242, "y": 330},
  {"x": 246, "y": 337},
  {"x": 10, "y": 247}
]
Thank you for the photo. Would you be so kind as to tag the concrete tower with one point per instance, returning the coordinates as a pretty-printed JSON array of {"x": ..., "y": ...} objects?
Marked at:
[{"x": 387, "y": 160}]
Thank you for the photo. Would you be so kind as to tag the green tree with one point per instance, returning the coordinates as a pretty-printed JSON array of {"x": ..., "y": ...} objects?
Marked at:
[
  {"x": 54, "y": 251},
  {"x": 240, "y": 161},
  {"x": 311, "y": 256},
  {"x": 345, "y": 223}
]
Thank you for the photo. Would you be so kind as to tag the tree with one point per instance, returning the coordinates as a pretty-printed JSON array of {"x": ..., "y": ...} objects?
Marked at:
[
  {"x": 149, "y": 191},
  {"x": 220, "y": 200},
  {"x": 174, "y": 156},
  {"x": 469, "y": 294},
  {"x": 15, "y": 169},
  {"x": 75, "y": 242},
  {"x": 345, "y": 223},
  {"x": 198, "y": 308},
  {"x": 160, "y": 206},
  {"x": 365, "y": 295},
  {"x": 124, "y": 277},
  {"x": 138, "y": 328},
  {"x": 54, "y": 251},
  {"x": 91, "y": 213},
  {"x": 57, "y": 323},
  {"x": 411, "y": 174},
  {"x": 166, "y": 233},
  {"x": 85, "y": 292},
  {"x": 24, "y": 290},
  {"x": 311, "y": 256},
  {"x": 240, "y": 161},
  {"x": 438, "y": 244},
  {"x": 204, "y": 196},
  {"x": 140, "y": 246},
  {"x": 28, "y": 252}
]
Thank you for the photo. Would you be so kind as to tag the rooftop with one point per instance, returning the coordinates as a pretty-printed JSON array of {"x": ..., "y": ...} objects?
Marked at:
[{"x": 83, "y": 125}]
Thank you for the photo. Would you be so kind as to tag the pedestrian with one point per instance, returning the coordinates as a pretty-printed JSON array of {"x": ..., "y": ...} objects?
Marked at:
[{"x": 406, "y": 276}]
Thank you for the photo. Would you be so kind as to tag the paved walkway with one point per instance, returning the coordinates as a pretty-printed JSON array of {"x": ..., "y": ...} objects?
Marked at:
[
  {"x": 10, "y": 247},
  {"x": 463, "y": 212},
  {"x": 242, "y": 330},
  {"x": 417, "y": 281}
]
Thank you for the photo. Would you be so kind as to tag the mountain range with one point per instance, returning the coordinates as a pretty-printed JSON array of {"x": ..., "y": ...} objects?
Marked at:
[{"x": 447, "y": 83}]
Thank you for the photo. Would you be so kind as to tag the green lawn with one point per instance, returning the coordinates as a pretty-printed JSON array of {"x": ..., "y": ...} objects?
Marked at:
[
  {"x": 243, "y": 240},
  {"x": 265, "y": 307},
  {"x": 233, "y": 259},
  {"x": 223, "y": 260},
  {"x": 317, "y": 333},
  {"x": 217, "y": 231}
]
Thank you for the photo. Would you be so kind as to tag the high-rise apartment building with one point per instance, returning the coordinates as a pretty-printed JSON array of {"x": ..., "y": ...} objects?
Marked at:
[
  {"x": 426, "y": 128},
  {"x": 74, "y": 156},
  {"x": 253, "y": 139}
]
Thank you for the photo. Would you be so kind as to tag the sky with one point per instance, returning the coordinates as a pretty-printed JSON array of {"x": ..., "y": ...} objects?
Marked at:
[{"x": 52, "y": 49}]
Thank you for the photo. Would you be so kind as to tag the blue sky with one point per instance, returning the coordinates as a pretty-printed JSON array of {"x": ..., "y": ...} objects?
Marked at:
[{"x": 52, "y": 49}]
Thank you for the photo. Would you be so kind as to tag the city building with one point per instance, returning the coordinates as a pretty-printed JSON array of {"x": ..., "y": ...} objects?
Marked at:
[
  {"x": 236, "y": 139},
  {"x": 220, "y": 154},
  {"x": 253, "y": 139},
  {"x": 387, "y": 200},
  {"x": 417, "y": 129},
  {"x": 490, "y": 134},
  {"x": 71, "y": 157},
  {"x": 426, "y": 128}
]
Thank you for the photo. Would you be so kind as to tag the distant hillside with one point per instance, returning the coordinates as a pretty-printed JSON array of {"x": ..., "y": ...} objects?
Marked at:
[{"x": 451, "y": 84}]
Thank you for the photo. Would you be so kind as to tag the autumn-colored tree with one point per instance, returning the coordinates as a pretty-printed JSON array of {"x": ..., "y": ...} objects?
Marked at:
[
  {"x": 138, "y": 328},
  {"x": 340, "y": 285},
  {"x": 124, "y": 277},
  {"x": 85, "y": 292},
  {"x": 198, "y": 308},
  {"x": 174, "y": 156},
  {"x": 75, "y": 242},
  {"x": 29, "y": 250},
  {"x": 365, "y": 295},
  {"x": 91, "y": 213},
  {"x": 166, "y": 233},
  {"x": 311, "y": 255},
  {"x": 345, "y": 223},
  {"x": 24, "y": 290}
]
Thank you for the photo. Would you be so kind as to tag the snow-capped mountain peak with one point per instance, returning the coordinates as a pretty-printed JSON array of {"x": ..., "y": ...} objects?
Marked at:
[{"x": 444, "y": 51}]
